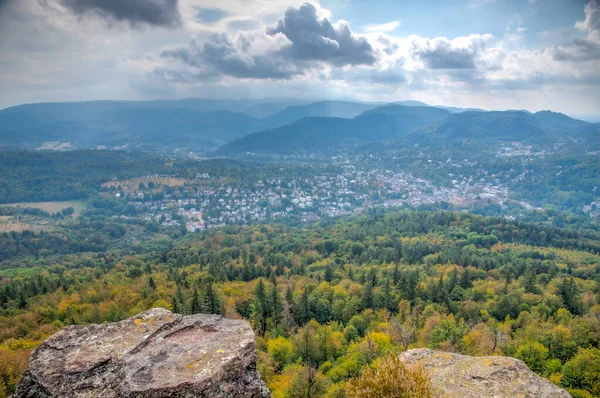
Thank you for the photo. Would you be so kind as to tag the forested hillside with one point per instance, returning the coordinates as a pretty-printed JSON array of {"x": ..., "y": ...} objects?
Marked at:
[{"x": 328, "y": 298}]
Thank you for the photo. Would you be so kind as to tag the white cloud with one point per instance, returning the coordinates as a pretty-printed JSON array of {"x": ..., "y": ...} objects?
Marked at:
[
  {"x": 382, "y": 28},
  {"x": 591, "y": 23}
]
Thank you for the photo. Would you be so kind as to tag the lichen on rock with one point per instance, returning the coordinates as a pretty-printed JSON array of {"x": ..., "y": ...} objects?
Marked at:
[
  {"x": 154, "y": 354},
  {"x": 455, "y": 375}
]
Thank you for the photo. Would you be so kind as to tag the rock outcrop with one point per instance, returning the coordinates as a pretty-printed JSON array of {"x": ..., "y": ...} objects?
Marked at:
[
  {"x": 151, "y": 355},
  {"x": 463, "y": 376}
]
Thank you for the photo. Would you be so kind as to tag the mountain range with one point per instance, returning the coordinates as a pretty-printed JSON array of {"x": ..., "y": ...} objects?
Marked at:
[
  {"x": 416, "y": 125},
  {"x": 271, "y": 126}
]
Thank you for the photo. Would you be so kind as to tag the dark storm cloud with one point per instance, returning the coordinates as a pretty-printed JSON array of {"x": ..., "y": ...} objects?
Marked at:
[
  {"x": 315, "y": 39},
  {"x": 5, "y": 3},
  {"x": 225, "y": 55},
  {"x": 137, "y": 12},
  {"x": 442, "y": 54}
]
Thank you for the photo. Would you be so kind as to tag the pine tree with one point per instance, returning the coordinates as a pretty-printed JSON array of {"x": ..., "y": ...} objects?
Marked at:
[
  {"x": 195, "y": 304},
  {"x": 210, "y": 299},
  {"x": 302, "y": 308},
  {"x": 260, "y": 308},
  {"x": 465, "y": 279},
  {"x": 151, "y": 283},
  {"x": 569, "y": 292},
  {"x": 387, "y": 296},
  {"x": 529, "y": 281},
  {"x": 367, "y": 300},
  {"x": 276, "y": 307},
  {"x": 453, "y": 281},
  {"x": 328, "y": 273}
]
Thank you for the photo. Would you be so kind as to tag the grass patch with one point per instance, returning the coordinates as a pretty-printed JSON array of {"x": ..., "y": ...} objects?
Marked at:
[
  {"x": 50, "y": 207},
  {"x": 17, "y": 226}
]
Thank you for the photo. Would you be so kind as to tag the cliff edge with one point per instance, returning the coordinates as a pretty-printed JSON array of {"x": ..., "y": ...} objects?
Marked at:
[{"x": 154, "y": 354}]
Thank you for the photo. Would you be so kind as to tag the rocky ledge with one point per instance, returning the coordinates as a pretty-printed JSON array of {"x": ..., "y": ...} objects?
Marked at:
[
  {"x": 455, "y": 375},
  {"x": 151, "y": 355}
]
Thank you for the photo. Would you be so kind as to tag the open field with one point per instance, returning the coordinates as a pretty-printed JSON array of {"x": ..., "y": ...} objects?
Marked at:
[
  {"x": 10, "y": 224},
  {"x": 50, "y": 207}
]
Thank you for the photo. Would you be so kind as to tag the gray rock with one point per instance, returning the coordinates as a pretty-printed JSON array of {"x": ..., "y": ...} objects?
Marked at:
[
  {"x": 152, "y": 355},
  {"x": 456, "y": 375}
]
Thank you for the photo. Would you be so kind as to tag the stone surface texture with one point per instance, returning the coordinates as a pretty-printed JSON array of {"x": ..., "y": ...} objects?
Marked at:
[
  {"x": 151, "y": 355},
  {"x": 456, "y": 375}
]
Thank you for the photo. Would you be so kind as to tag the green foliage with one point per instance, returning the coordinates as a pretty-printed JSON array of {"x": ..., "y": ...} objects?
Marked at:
[
  {"x": 534, "y": 355},
  {"x": 583, "y": 371},
  {"x": 414, "y": 282}
]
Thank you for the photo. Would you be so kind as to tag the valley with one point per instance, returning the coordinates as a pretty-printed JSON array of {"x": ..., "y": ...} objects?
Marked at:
[{"x": 366, "y": 229}]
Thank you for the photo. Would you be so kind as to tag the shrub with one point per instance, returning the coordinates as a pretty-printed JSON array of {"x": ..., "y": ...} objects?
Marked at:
[
  {"x": 534, "y": 355},
  {"x": 583, "y": 371},
  {"x": 390, "y": 377},
  {"x": 579, "y": 393}
]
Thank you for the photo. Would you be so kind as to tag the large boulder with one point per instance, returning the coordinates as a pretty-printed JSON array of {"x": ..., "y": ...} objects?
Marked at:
[
  {"x": 151, "y": 355},
  {"x": 455, "y": 375}
]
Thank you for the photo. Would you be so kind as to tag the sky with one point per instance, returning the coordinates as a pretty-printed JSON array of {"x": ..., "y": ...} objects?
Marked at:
[{"x": 491, "y": 54}]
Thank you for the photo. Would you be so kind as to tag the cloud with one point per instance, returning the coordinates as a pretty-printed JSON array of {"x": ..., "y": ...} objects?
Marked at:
[
  {"x": 303, "y": 40},
  {"x": 312, "y": 38},
  {"x": 231, "y": 56},
  {"x": 591, "y": 23},
  {"x": 238, "y": 56},
  {"x": 163, "y": 13},
  {"x": 587, "y": 49},
  {"x": 441, "y": 53},
  {"x": 382, "y": 28},
  {"x": 577, "y": 50}
]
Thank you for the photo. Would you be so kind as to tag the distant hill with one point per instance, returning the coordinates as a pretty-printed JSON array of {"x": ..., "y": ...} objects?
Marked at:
[
  {"x": 505, "y": 126},
  {"x": 415, "y": 125},
  {"x": 451, "y": 109},
  {"x": 266, "y": 109},
  {"x": 318, "y": 134},
  {"x": 202, "y": 125},
  {"x": 541, "y": 129},
  {"x": 195, "y": 123},
  {"x": 112, "y": 125},
  {"x": 339, "y": 109},
  {"x": 558, "y": 120}
]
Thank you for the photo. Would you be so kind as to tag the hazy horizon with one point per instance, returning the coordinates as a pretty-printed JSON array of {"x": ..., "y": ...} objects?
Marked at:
[{"x": 588, "y": 118}]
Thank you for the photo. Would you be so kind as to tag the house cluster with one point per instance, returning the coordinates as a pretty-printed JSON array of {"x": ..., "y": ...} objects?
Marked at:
[
  {"x": 593, "y": 209},
  {"x": 326, "y": 194}
]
